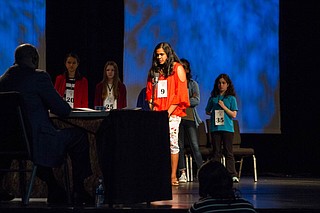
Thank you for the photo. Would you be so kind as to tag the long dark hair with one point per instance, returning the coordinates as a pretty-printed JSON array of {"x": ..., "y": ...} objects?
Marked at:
[
  {"x": 230, "y": 90},
  {"x": 77, "y": 75},
  {"x": 186, "y": 65},
  {"x": 116, "y": 80},
  {"x": 167, "y": 67}
]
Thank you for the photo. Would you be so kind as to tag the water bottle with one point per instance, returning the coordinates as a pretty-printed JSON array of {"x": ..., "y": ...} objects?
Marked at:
[{"x": 100, "y": 193}]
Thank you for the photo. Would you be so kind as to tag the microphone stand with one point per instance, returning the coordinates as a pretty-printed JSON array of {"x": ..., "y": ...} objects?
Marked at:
[{"x": 154, "y": 84}]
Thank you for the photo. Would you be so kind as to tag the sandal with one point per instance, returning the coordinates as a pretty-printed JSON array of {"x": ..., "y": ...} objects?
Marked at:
[{"x": 174, "y": 182}]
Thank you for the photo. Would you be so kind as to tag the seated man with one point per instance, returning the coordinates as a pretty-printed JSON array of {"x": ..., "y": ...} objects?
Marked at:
[{"x": 50, "y": 145}]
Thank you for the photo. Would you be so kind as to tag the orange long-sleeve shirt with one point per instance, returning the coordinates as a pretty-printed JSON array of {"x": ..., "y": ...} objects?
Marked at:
[{"x": 177, "y": 93}]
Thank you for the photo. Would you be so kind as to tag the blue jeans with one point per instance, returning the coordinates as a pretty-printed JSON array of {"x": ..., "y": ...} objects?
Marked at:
[{"x": 188, "y": 130}]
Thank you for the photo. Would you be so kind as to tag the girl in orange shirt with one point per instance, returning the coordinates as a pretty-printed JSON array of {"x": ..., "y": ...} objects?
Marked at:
[{"x": 167, "y": 90}]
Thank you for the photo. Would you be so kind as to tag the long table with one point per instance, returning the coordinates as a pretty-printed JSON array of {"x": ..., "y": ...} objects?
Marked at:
[
  {"x": 85, "y": 113},
  {"x": 130, "y": 149},
  {"x": 90, "y": 121}
]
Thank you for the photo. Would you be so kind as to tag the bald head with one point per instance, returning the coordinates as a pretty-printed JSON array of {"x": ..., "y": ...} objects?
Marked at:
[{"x": 27, "y": 55}]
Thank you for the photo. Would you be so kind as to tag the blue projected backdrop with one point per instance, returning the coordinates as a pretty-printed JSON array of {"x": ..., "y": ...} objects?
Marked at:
[
  {"x": 21, "y": 22},
  {"x": 237, "y": 37}
]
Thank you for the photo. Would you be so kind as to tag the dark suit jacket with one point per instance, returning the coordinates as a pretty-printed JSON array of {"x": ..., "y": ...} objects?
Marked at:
[{"x": 39, "y": 96}]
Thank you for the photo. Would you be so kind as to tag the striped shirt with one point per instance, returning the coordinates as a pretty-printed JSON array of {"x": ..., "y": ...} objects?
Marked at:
[{"x": 208, "y": 205}]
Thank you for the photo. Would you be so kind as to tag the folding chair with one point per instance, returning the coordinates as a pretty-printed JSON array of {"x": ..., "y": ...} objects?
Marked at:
[
  {"x": 15, "y": 139},
  {"x": 240, "y": 152}
]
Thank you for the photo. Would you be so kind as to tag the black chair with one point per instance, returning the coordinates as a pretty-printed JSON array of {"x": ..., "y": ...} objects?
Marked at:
[
  {"x": 204, "y": 141},
  {"x": 239, "y": 152},
  {"x": 15, "y": 139},
  {"x": 16, "y": 144},
  {"x": 188, "y": 159},
  {"x": 204, "y": 148}
]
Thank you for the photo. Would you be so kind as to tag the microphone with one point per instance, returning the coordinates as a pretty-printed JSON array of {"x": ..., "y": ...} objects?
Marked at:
[{"x": 156, "y": 77}]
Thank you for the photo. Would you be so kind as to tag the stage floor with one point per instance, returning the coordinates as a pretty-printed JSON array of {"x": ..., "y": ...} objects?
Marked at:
[{"x": 269, "y": 194}]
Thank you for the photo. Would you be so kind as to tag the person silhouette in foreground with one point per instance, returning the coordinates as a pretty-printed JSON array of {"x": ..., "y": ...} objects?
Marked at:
[{"x": 216, "y": 191}]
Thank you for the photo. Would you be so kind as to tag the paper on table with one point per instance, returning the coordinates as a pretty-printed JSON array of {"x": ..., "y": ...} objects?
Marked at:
[{"x": 85, "y": 109}]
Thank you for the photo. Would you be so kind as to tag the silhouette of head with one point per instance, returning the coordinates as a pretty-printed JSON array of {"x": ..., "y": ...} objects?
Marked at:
[
  {"x": 26, "y": 55},
  {"x": 215, "y": 181}
]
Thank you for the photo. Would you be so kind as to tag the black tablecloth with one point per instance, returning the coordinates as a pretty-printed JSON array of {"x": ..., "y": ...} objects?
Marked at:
[{"x": 134, "y": 155}]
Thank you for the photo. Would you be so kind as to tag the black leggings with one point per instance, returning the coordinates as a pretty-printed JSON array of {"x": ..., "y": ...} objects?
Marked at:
[{"x": 222, "y": 145}]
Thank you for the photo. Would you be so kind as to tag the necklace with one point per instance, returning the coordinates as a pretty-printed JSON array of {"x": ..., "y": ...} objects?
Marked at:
[{"x": 110, "y": 88}]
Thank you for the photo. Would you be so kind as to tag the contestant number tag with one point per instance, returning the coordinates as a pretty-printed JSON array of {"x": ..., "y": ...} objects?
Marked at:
[
  {"x": 162, "y": 89},
  {"x": 109, "y": 103},
  {"x": 219, "y": 117},
  {"x": 70, "y": 97}
]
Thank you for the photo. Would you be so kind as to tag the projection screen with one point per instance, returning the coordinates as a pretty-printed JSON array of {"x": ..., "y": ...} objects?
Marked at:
[
  {"x": 21, "y": 22},
  {"x": 237, "y": 37}
]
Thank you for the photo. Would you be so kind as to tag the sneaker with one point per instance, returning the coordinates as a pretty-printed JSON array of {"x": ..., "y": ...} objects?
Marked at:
[
  {"x": 183, "y": 178},
  {"x": 235, "y": 180}
]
